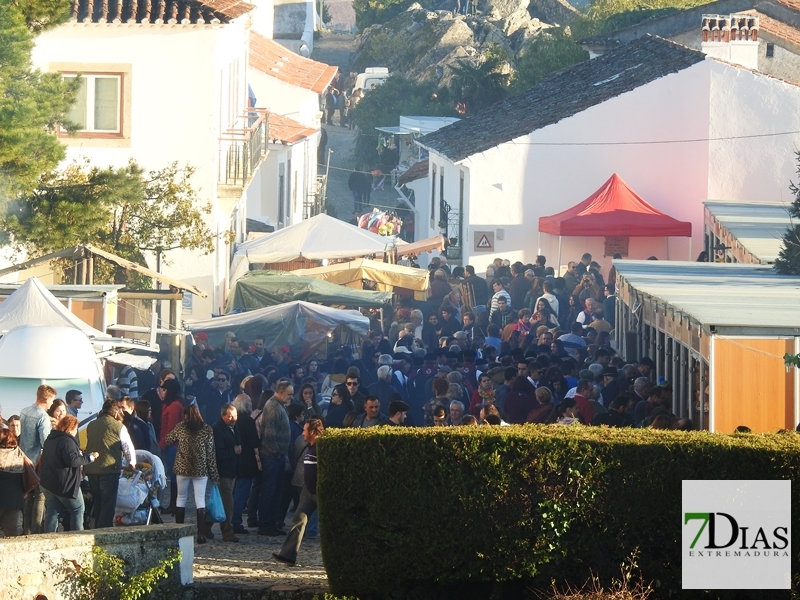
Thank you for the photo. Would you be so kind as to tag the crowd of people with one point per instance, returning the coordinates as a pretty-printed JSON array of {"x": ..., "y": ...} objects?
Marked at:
[{"x": 531, "y": 347}]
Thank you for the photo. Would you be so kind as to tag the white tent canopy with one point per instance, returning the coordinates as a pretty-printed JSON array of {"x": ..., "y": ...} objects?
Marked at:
[
  {"x": 317, "y": 238},
  {"x": 34, "y": 304}
]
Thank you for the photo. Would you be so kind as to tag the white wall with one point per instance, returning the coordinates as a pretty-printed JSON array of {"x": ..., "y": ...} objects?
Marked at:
[
  {"x": 509, "y": 187},
  {"x": 177, "y": 108},
  {"x": 263, "y": 193},
  {"x": 744, "y": 103},
  {"x": 285, "y": 99}
]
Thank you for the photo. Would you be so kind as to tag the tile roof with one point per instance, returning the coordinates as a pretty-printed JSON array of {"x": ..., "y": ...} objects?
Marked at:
[
  {"x": 776, "y": 28},
  {"x": 273, "y": 59},
  {"x": 158, "y": 11},
  {"x": 286, "y": 130},
  {"x": 562, "y": 95},
  {"x": 416, "y": 171}
]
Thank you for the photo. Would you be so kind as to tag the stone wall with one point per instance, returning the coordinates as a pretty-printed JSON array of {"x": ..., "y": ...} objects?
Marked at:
[{"x": 44, "y": 566}]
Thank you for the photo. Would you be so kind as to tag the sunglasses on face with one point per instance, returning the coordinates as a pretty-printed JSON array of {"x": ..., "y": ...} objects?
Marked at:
[{"x": 351, "y": 383}]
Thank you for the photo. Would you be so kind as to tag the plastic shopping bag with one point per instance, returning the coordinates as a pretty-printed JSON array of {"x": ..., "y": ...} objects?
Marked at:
[{"x": 214, "y": 509}]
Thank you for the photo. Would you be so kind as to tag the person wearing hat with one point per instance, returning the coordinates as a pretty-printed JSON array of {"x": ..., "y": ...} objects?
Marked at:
[
  {"x": 611, "y": 388},
  {"x": 400, "y": 380}
]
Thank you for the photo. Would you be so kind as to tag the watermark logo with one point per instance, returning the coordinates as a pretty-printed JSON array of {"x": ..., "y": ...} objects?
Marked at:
[{"x": 736, "y": 534}]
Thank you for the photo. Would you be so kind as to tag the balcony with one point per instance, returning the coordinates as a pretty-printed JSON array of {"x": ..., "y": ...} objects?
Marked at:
[{"x": 241, "y": 151}]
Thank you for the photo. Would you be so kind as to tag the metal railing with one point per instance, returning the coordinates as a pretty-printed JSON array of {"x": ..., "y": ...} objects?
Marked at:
[
  {"x": 315, "y": 201},
  {"x": 241, "y": 149}
]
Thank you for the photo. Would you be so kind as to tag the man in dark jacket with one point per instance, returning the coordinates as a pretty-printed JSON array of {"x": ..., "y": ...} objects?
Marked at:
[
  {"x": 227, "y": 447},
  {"x": 383, "y": 388},
  {"x": 248, "y": 470}
]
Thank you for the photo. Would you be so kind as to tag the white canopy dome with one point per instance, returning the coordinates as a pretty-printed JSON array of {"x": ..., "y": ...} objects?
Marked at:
[{"x": 40, "y": 352}]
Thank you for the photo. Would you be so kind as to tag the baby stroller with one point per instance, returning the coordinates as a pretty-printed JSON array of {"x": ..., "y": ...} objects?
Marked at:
[{"x": 137, "y": 496}]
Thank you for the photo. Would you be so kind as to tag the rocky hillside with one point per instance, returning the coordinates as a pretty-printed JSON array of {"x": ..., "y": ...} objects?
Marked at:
[{"x": 422, "y": 44}]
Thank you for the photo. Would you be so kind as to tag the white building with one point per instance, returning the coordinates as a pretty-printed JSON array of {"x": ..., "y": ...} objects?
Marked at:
[
  {"x": 290, "y": 87},
  {"x": 166, "y": 81},
  {"x": 677, "y": 125}
]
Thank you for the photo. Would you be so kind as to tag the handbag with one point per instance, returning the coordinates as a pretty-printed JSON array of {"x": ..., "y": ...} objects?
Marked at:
[
  {"x": 215, "y": 511},
  {"x": 30, "y": 479}
]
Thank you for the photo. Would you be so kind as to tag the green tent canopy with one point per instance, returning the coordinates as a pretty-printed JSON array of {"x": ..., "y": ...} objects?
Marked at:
[{"x": 257, "y": 289}]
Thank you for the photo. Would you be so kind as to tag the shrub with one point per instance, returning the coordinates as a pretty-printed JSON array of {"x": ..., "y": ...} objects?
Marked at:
[{"x": 461, "y": 511}]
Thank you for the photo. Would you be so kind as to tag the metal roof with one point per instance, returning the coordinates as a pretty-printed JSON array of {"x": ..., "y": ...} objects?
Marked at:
[
  {"x": 721, "y": 295},
  {"x": 758, "y": 226}
]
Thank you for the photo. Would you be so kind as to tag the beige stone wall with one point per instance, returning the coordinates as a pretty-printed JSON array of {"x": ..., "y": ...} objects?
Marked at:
[{"x": 46, "y": 564}]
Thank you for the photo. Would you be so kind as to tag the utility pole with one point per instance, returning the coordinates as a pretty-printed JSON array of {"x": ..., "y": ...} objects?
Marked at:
[{"x": 325, "y": 185}]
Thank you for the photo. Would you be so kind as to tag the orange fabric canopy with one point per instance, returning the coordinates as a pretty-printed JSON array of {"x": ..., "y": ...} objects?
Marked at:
[{"x": 614, "y": 210}]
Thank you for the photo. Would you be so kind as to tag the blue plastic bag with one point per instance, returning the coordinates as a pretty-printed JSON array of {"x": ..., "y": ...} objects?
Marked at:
[{"x": 214, "y": 509}]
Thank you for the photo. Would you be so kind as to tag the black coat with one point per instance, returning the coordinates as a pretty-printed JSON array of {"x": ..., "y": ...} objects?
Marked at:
[
  {"x": 60, "y": 473},
  {"x": 248, "y": 467},
  {"x": 225, "y": 439}
]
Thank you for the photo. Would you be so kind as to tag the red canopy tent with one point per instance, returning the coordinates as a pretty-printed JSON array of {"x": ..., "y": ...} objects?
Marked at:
[{"x": 613, "y": 210}]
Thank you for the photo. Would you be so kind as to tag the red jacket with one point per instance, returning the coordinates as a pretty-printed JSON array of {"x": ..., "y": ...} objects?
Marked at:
[
  {"x": 585, "y": 409},
  {"x": 171, "y": 415}
]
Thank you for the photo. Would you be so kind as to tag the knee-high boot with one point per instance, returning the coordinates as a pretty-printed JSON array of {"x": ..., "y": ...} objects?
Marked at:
[
  {"x": 201, "y": 525},
  {"x": 180, "y": 514}
]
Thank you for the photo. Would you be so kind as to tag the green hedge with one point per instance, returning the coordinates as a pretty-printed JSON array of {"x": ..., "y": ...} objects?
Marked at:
[{"x": 469, "y": 511}]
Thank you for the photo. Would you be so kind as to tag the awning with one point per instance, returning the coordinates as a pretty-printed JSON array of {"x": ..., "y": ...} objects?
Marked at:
[
  {"x": 387, "y": 276},
  {"x": 427, "y": 245}
]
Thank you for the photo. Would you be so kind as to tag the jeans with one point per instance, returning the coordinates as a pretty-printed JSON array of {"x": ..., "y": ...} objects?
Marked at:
[
  {"x": 253, "y": 501},
  {"x": 307, "y": 507},
  {"x": 169, "y": 461},
  {"x": 272, "y": 476},
  {"x": 56, "y": 504},
  {"x": 104, "y": 496},
  {"x": 33, "y": 516},
  {"x": 241, "y": 492}
]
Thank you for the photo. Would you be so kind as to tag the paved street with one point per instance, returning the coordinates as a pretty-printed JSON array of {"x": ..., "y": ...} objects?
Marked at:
[{"x": 336, "y": 49}]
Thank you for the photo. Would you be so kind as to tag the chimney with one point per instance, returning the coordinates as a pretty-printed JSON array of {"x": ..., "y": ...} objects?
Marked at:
[{"x": 732, "y": 38}]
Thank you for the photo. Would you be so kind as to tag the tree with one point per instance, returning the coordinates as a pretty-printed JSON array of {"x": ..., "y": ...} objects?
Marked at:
[
  {"x": 126, "y": 211},
  {"x": 481, "y": 85},
  {"x": 32, "y": 104},
  {"x": 788, "y": 261},
  {"x": 372, "y": 12},
  {"x": 548, "y": 52},
  {"x": 384, "y": 105}
]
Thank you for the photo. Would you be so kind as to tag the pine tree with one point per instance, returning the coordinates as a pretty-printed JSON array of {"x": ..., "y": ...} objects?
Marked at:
[
  {"x": 788, "y": 261},
  {"x": 32, "y": 104}
]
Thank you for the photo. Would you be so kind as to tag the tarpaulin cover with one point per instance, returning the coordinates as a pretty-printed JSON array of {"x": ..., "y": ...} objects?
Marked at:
[
  {"x": 614, "y": 210},
  {"x": 387, "y": 276},
  {"x": 301, "y": 326},
  {"x": 34, "y": 304},
  {"x": 258, "y": 289},
  {"x": 317, "y": 238}
]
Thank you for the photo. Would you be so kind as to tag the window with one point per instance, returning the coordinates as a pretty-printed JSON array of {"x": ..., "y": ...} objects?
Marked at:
[
  {"x": 97, "y": 108},
  {"x": 770, "y": 50}
]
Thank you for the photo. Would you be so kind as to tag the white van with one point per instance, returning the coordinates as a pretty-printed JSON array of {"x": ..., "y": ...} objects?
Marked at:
[
  {"x": 61, "y": 357},
  {"x": 371, "y": 76}
]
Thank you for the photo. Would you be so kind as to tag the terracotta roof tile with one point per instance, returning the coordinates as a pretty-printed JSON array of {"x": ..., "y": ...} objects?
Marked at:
[
  {"x": 776, "y": 28},
  {"x": 158, "y": 11},
  {"x": 286, "y": 130},
  {"x": 416, "y": 171},
  {"x": 562, "y": 95},
  {"x": 273, "y": 59}
]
